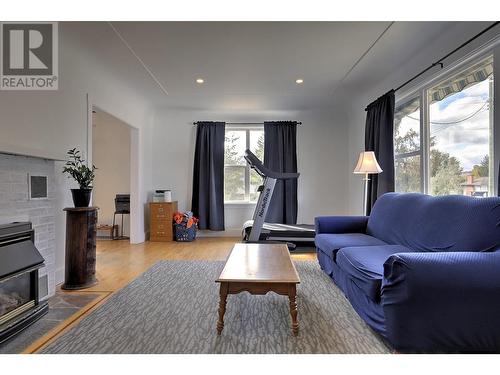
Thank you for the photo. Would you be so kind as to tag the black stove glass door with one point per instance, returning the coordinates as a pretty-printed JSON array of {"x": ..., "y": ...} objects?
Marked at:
[{"x": 14, "y": 293}]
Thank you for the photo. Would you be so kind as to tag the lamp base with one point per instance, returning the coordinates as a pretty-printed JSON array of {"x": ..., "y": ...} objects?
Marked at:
[{"x": 365, "y": 195}]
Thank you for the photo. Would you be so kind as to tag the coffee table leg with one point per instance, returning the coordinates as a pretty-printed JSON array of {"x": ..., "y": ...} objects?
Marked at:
[
  {"x": 224, "y": 287},
  {"x": 292, "y": 296}
]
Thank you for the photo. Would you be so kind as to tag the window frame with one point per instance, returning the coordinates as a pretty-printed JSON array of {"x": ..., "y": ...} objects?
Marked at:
[
  {"x": 420, "y": 151},
  {"x": 247, "y": 129},
  {"x": 422, "y": 91}
]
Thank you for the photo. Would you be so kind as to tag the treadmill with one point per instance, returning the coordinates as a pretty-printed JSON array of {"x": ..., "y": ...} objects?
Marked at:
[{"x": 257, "y": 230}]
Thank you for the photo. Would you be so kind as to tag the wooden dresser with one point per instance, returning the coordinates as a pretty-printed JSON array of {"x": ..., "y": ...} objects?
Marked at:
[{"x": 161, "y": 214}]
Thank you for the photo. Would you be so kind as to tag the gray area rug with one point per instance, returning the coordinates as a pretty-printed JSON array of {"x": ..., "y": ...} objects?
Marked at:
[{"x": 172, "y": 308}]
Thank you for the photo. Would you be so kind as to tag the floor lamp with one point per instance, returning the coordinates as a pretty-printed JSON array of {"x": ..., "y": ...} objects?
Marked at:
[{"x": 367, "y": 164}]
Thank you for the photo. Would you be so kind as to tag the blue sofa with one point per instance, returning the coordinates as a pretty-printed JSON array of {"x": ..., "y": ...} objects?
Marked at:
[{"x": 422, "y": 271}]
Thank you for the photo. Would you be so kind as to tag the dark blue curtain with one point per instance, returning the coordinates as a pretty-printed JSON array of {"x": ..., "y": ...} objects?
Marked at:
[
  {"x": 379, "y": 138},
  {"x": 280, "y": 154},
  {"x": 208, "y": 175}
]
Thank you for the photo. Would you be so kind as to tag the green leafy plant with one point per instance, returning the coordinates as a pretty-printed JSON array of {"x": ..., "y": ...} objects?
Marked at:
[{"x": 76, "y": 168}]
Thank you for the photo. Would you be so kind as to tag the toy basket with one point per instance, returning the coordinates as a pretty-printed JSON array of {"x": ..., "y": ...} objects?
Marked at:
[
  {"x": 185, "y": 226},
  {"x": 184, "y": 234}
]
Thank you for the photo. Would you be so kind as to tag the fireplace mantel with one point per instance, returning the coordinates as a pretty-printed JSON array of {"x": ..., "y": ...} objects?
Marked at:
[{"x": 9, "y": 149}]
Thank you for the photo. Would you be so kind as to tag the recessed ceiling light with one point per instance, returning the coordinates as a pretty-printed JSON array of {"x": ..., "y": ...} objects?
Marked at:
[
  {"x": 299, "y": 81},
  {"x": 200, "y": 80}
]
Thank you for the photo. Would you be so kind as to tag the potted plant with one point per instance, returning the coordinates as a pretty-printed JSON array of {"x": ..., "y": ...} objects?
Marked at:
[{"x": 76, "y": 168}]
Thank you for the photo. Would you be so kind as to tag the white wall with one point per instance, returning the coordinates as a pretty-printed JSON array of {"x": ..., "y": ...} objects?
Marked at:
[
  {"x": 53, "y": 122},
  {"x": 357, "y": 98},
  {"x": 111, "y": 155},
  {"x": 322, "y": 159}
]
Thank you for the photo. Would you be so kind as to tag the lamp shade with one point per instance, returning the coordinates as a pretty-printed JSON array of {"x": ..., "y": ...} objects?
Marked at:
[{"x": 367, "y": 163}]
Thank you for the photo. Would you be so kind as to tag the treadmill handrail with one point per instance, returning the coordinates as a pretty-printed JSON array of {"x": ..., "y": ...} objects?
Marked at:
[{"x": 256, "y": 164}]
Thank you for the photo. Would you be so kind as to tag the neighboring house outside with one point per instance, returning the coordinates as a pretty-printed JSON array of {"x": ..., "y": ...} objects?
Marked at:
[{"x": 475, "y": 186}]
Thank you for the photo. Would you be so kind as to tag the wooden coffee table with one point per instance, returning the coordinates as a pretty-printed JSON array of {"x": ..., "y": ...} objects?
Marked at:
[{"x": 259, "y": 269}]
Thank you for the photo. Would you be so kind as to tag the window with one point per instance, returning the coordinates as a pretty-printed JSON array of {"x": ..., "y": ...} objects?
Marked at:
[
  {"x": 407, "y": 148},
  {"x": 460, "y": 132},
  {"x": 240, "y": 182},
  {"x": 454, "y": 155}
]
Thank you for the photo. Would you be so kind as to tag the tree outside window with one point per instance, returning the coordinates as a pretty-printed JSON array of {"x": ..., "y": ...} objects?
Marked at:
[{"x": 240, "y": 182}]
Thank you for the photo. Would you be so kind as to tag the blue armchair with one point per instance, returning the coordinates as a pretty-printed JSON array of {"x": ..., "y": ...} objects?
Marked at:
[{"x": 422, "y": 271}]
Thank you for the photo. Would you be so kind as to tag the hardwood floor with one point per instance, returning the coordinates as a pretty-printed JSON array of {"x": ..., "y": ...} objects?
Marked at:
[{"x": 119, "y": 262}]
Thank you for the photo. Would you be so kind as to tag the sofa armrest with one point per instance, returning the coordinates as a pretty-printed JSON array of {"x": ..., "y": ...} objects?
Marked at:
[
  {"x": 442, "y": 301},
  {"x": 340, "y": 224}
]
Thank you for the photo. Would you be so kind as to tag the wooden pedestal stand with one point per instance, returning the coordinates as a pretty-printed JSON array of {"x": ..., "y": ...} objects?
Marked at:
[{"x": 81, "y": 229}]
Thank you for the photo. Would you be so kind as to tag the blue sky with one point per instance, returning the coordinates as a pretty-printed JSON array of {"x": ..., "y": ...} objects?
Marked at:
[{"x": 450, "y": 99}]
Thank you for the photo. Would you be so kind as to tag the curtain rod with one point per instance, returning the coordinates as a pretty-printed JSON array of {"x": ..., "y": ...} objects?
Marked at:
[
  {"x": 440, "y": 61},
  {"x": 249, "y": 123}
]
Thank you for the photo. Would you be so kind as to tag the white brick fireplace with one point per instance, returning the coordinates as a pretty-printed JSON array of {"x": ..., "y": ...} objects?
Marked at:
[{"x": 15, "y": 205}]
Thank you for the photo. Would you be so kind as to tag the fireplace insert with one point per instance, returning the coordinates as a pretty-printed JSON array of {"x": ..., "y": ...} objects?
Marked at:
[{"x": 19, "y": 265}]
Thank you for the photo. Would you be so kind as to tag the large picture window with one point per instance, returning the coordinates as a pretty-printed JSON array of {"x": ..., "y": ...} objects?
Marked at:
[
  {"x": 454, "y": 155},
  {"x": 240, "y": 181}
]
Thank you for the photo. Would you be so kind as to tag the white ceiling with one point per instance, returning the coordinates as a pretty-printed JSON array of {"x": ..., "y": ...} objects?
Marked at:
[{"x": 253, "y": 65}]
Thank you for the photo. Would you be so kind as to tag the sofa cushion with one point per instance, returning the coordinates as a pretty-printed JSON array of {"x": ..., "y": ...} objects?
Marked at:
[
  {"x": 330, "y": 243},
  {"x": 365, "y": 266},
  {"x": 445, "y": 223}
]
